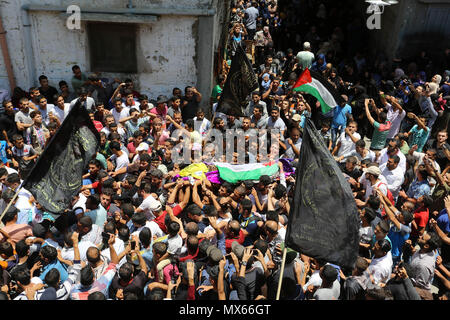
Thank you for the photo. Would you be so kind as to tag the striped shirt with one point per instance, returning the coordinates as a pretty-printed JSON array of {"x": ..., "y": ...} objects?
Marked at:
[{"x": 64, "y": 289}]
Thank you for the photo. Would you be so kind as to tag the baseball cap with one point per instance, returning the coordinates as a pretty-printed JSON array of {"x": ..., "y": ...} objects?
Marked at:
[
  {"x": 214, "y": 253},
  {"x": 296, "y": 117},
  {"x": 237, "y": 249},
  {"x": 142, "y": 147},
  {"x": 155, "y": 206},
  {"x": 373, "y": 170}
]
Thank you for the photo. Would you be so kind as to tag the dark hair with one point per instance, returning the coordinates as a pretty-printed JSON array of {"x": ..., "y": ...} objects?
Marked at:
[
  {"x": 49, "y": 252},
  {"x": 279, "y": 191},
  {"x": 192, "y": 243},
  {"x": 124, "y": 233},
  {"x": 434, "y": 242},
  {"x": 272, "y": 215},
  {"x": 85, "y": 221},
  {"x": 385, "y": 245},
  {"x": 86, "y": 276},
  {"x": 173, "y": 228},
  {"x": 261, "y": 245},
  {"x": 43, "y": 77},
  {"x": 23, "y": 276},
  {"x": 384, "y": 226},
  {"x": 246, "y": 204},
  {"x": 126, "y": 272},
  {"x": 13, "y": 178},
  {"x": 52, "y": 278},
  {"x": 329, "y": 273},
  {"x": 160, "y": 248},
  {"x": 97, "y": 295},
  {"x": 22, "y": 248},
  {"x": 127, "y": 209},
  {"x": 114, "y": 145},
  {"x": 139, "y": 218},
  {"x": 373, "y": 202},
  {"x": 360, "y": 143},
  {"x": 376, "y": 293},
  {"x": 156, "y": 294},
  {"x": 265, "y": 180},
  {"x": 6, "y": 248},
  {"x": 145, "y": 236}
]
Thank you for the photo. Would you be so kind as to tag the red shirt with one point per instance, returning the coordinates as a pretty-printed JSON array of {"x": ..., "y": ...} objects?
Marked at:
[
  {"x": 160, "y": 220},
  {"x": 421, "y": 216},
  {"x": 240, "y": 239},
  {"x": 98, "y": 125}
]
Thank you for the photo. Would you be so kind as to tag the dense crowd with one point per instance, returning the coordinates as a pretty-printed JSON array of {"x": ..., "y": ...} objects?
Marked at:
[{"x": 144, "y": 226}]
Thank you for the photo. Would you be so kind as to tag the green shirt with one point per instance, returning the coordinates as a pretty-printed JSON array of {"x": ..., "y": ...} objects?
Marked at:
[
  {"x": 404, "y": 148},
  {"x": 379, "y": 135},
  {"x": 217, "y": 90},
  {"x": 77, "y": 83}
]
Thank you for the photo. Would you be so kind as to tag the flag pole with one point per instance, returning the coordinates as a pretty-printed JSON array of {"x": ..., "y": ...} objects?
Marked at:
[
  {"x": 10, "y": 202},
  {"x": 281, "y": 273}
]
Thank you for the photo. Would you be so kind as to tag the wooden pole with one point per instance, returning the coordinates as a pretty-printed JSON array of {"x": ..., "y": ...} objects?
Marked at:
[
  {"x": 10, "y": 203},
  {"x": 281, "y": 273}
]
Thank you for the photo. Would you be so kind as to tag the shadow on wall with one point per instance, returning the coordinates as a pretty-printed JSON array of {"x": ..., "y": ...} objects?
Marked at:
[{"x": 432, "y": 42}]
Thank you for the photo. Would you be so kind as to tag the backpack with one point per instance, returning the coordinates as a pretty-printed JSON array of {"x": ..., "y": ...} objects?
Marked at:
[{"x": 390, "y": 197}]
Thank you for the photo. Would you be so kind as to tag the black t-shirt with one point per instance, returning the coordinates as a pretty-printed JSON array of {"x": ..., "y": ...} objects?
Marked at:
[
  {"x": 49, "y": 94},
  {"x": 8, "y": 124},
  {"x": 190, "y": 109},
  {"x": 136, "y": 285}
]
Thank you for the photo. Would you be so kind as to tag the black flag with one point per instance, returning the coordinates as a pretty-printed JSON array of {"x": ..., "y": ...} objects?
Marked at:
[
  {"x": 241, "y": 81},
  {"x": 57, "y": 176},
  {"x": 324, "y": 220}
]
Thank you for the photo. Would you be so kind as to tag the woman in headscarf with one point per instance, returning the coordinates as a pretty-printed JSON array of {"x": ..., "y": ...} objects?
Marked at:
[{"x": 320, "y": 64}]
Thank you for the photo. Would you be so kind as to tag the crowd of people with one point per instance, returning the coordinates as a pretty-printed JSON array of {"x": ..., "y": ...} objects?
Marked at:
[{"x": 146, "y": 227}]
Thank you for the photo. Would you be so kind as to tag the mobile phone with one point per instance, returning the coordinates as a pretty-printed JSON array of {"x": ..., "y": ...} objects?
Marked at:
[
  {"x": 105, "y": 236},
  {"x": 133, "y": 244},
  {"x": 255, "y": 252}
]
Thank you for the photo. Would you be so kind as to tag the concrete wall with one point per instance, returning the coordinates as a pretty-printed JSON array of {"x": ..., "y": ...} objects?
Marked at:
[
  {"x": 172, "y": 52},
  {"x": 412, "y": 26}
]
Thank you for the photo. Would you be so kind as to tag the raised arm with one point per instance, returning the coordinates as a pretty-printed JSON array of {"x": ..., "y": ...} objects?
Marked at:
[{"x": 369, "y": 116}]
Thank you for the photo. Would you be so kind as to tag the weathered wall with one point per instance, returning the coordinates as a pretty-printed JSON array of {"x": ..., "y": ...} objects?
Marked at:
[
  {"x": 411, "y": 26},
  {"x": 167, "y": 50}
]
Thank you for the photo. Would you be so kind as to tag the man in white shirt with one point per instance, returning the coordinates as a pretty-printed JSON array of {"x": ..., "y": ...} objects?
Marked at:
[
  {"x": 372, "y": 178},
  {"x": 305, "y": 58},
  {"x": 395, "y": 114},
  {"x": 60, "y": 110},
  {"x": 118, "y": 160},
  {"x": 87, "y": 102},
  {"x": 274, "y": 121},
  {"x": 120, "y": 111},
  {"x": 393, "y": 174},
  {"x": 150, "y": 204},
  {"x": 380, "y": 267},
  {"x": 391, "y": 150},
  {"x": 346, "y": 142}
]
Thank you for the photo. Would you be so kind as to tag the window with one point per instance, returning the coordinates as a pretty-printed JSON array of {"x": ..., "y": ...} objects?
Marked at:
[{"x": 112, "y": 47}]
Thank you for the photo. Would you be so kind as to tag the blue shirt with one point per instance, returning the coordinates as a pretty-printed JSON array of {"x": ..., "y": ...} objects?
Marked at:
[
  {"x": 58, "y": 266},
  {"x": 98, "y": 216},
  {"x": 442, "y": 221},
  {"x": 3, "y": 155},
  {"x": 398, "y": 238},
  {"x": 419, "y": 137},
  {"x": 418, "y": 188},
  {"x": 339, "y": 116}
]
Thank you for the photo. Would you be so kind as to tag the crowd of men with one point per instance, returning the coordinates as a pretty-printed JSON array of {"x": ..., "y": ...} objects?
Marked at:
[{"x": 138, "y": 230}]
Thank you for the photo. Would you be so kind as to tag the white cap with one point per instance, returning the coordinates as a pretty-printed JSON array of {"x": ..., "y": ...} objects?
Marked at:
[
  {"x": 306, "y": 45},
  {"x": 142, "y": 147}
]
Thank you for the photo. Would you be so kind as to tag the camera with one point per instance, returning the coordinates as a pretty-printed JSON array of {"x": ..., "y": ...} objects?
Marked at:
[{"x": 133, "y": 245}]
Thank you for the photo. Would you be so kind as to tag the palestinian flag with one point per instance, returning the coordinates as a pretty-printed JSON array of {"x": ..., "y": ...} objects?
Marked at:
[
  {"x": 316, "y": 85},
  {"x": 234, "y": 173}
]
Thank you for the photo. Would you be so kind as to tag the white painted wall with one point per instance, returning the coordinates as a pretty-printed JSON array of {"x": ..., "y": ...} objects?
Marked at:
[{"x": 166, "y": 49}]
